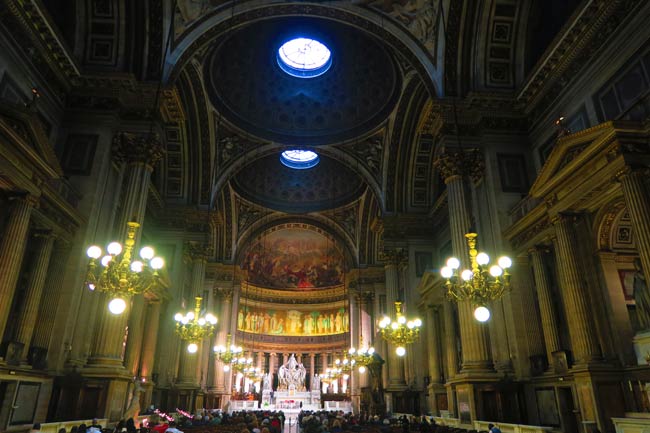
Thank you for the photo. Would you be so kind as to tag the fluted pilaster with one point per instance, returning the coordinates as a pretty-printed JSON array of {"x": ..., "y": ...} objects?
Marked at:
[
  {"x": 12, "y": 250},
  {"x": 433, "y": 343},
  {"x": 451, "y": 351},
  {"x": 37, "y": 275},
  {"x": 224, "y": 329},
  {"x": 575, "y": 293},
  {"x": 637, "y": 202},
  {"x": 546, "y": 306},
  {"x": 51, "y": 296},
  {"x": 150, "y": 340},
  {"x": 136, "y": 331},
  {"x": 395, "y": 363}
]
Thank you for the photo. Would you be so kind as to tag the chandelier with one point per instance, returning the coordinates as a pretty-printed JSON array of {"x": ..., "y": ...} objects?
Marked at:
[
  {"x": 192, "y": 327},
  {"x": 363, "y": 356},
  {"x": 242, "y": 364},
  {"x": 400, "y": 331},
  {"x": 480, "y": 284},
  {"x": 227, "y": 354},
  {"x": 120, "y": 276}
]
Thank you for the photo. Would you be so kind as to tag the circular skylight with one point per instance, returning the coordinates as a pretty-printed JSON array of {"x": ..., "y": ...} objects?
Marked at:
[
  {"x": 304, "y": 57},
  {"x": 299, "y": 159}
]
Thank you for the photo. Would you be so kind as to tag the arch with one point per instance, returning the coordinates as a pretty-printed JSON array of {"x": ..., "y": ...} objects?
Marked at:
[{"x": 219, "y": 21}]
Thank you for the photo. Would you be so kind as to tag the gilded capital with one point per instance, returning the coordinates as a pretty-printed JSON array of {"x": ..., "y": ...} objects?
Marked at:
[
  {"x": 459, "y": 163},
  {"x": 395, "y": 256},
  {"x": 137, "y": 148}
]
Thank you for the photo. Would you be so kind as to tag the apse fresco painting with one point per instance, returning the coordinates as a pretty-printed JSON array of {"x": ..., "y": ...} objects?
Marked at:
[
  {"x": 293, "y": 322},
  {"x": 293, "y": 258}
]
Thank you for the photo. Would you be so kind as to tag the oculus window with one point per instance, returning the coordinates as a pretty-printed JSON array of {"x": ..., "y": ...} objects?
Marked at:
[
  {"x": 299, "y": 159},
  {"x": 304, "y": 57}
]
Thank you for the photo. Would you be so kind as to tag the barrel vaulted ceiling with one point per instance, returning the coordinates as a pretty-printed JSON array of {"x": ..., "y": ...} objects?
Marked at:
[{"x": 375, "y": 117}]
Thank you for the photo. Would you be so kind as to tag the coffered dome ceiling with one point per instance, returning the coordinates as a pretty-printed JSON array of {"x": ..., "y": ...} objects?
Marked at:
[
  {"x": 266, "y": 181},
  {"x": 248, "y": 87}
]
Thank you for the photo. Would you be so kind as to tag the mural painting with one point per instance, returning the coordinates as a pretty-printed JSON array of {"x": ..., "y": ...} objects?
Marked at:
[
  {"x": 293, "y": 322},
  {"x": 294, "y": 258}
]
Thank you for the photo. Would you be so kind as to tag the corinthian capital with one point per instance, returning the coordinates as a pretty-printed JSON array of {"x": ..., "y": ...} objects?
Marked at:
[
  {"x": 459, "y": 163},
  {"x": 142, "y": 148}
]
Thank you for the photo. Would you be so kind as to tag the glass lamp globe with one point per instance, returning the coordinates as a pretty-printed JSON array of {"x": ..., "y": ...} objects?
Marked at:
[
  {"x": 482, "y": 314},
  {"x": 146, "y": 253},
  {"x": 466, "y": 275},
  {"x": 94, "y": 252},
  {"x": 446, "y": 272},
  {"x": 117, "y": 306},
  {"x": 192, "y": 347},
  {"x": 362, "y": 369},
  {"x": 453, "y": 263},
  {"x": 505, "y": 262},
  {"x": 114, "y": 248},
  {"x": 482, "y": 259},
  {"x": 496, "y": 271},
  {"x": 157, "y": 263},
  {"x": 137, "y": 266},
  {"x": 400, "y": 351},
  {"x": 106, "y": 260}
]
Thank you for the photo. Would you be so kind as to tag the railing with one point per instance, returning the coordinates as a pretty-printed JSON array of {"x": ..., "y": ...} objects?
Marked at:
[
  {"x": 244, "y": 404},
  {"x": 522, "y": 208}
]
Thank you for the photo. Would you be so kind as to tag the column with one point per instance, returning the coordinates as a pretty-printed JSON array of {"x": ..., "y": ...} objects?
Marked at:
[
  {"x": 29, "y": 307},
  {"x": 637, "y": 202},
  {"x": 575, "y": 293},
  {"x": 12, "y": 250},
  {"x": 546, "y": 306},
  {"x": 189, "y": 365},
  {"x": 365, "y": 338},
  {"x": 150, "y": 340},
  {"x": 451, "y": 351},
  {"x": 222, "y": 335},
  {"x": 473, "y": 335},
  {"x": 136, "y": 331},
  {"x": 49, "y": 304},
  {"x": 312, "y": 366},
  {"x": 433, "y": 343},
  {"x": 139, "y": 152},
  {"x": 395, "y": 364}
]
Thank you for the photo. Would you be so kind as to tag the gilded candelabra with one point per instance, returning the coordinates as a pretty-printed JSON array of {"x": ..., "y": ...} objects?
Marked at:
[
  {"x": 480, "y": 284},
  {"x": 192, "y": 327},
  {"x": 227, "y": 354},
  {"x": 400, "y": 331},
  {"x": 120, "y": 276},
  {"x": 363, "y": 356}
]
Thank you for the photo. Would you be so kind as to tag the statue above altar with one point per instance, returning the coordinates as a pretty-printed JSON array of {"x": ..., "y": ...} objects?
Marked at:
[{"x": 292, "y": 375}]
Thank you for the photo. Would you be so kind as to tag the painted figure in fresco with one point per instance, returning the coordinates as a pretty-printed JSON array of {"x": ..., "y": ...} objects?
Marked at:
[
  {"x": 240, "y": 320},
  {"x": 338, "y": 322},
  {"x": 641, "y": 296},
  {"x": 247, "y": 321},
  {"x": 306, "y": 325}
]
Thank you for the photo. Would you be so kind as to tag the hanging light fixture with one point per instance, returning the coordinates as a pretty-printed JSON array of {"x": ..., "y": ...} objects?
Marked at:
[
  {"x": 227, "y": 354},
  {"x": 363, "y": 357},
  {"x": 120, "y": 276},
  {"x": 192, "y": 327},
  {"x": 480, "y": 284},
  {"x": 400, "y": 331}
]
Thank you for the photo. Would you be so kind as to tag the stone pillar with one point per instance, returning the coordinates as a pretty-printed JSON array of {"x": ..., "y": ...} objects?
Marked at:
[
  {"x": 222, "y": 335},
  {"x": 312, "y": 366},
  {"x": 396, "y": 378},
  {"x": 136, "y": 331},
  {"x": 637, "y": 202},
  {"x": 366, "y": 330},
  {"x": 12, "y": 250},
  {"x": 139, "y": 152},
  {"x": 433, "y": 343},
  {"x": 451, "y": 351},
  {"x": 189, "y": 365},
  {"x": 546, "y": 306},
  {"x": 150, "y": 340},
  {"x": 575, "y": 293},
  {"x": 149, "y": 344},
  {"x": 273, "y": 363},
  {"x": 473, "y": 335},
  {"x": 49, "y": 304},
  {"x": 29, "y": 307}
]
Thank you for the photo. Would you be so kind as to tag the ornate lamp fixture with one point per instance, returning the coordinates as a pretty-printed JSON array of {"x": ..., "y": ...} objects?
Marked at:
[
  {"x": 227, "y": 354},
  {"x": 120, "y": 276},
  {"x": 192, "y": 327},
  {"x": 480, "y": 284},
  {"x": 242, "y": 364},
  {"x": 400, "y": 331},
  {"x": 363, "y": 356}
]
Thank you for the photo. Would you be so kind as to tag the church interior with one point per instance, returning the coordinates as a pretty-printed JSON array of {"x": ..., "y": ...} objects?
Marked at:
[{"x": 423, "y": 207}]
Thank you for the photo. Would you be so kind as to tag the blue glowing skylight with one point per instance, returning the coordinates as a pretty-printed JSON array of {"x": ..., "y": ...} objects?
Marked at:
[
  {"x": 299, "y": 159},
  {"x": 304, "y": 57}
]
